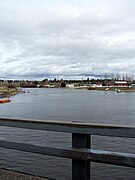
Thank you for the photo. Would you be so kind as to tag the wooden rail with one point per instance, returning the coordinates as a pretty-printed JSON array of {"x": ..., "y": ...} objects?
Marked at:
[{"x": 81, "y": 152}]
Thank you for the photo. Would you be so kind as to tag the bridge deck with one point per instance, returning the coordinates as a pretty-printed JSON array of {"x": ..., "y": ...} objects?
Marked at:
[{"x": 13, "y": 175}]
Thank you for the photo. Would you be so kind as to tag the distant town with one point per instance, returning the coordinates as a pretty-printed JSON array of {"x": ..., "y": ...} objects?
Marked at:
[{"x": 125, "y": 83}]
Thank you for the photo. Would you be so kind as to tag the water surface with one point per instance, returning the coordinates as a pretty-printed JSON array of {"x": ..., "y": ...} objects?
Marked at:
[{"x": 67, "y": 105}]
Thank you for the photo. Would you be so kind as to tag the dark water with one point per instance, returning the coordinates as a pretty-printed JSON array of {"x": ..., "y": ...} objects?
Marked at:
[{"x": 67, "y": 105}]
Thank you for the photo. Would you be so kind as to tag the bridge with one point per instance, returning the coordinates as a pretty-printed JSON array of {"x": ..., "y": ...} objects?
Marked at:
[{"x": 81, "y": 152}]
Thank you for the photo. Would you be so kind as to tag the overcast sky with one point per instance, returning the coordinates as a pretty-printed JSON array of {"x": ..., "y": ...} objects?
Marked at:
[{"x": 66, "y": 38}]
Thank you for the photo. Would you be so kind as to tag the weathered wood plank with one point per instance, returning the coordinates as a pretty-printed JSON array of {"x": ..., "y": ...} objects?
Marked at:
[
  {"x": 107, "y": 157},
  {"x": 71, "y": 127}
]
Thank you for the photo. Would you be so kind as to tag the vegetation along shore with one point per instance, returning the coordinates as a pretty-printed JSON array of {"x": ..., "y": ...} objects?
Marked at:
[{"x": 12, "y": 87}]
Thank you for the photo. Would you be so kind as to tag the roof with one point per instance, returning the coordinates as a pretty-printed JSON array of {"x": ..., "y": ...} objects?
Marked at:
[{"x": 120, "y": 82}]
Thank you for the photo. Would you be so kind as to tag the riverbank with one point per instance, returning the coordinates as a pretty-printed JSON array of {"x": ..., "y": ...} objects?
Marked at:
[
  {"x": 4, "y": 92},
  {"x": 120, "y": 89}
]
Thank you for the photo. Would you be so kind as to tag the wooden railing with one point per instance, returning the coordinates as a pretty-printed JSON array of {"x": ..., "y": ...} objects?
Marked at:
[{"x": 81, "y": 152}]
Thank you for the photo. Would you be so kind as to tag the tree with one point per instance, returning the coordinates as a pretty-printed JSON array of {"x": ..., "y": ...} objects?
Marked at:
[
  {"x": 63, "y": 84},
  {"x": 118, "y": 76}
]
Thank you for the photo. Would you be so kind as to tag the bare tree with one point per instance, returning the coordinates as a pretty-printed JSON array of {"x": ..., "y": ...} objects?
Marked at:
[
  {"x": 112, "y": 76},
  {"x": 123, "y": 77},
  {"x": 118, "y": 76}
]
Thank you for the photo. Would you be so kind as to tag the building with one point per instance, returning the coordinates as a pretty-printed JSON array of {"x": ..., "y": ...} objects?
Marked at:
[
  {"x": 70, "y": 86},
  {"x": 120, "y": 84}
]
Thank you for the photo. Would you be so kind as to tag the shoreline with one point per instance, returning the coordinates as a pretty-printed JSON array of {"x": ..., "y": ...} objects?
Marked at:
[{"x": 4, "y": 93}]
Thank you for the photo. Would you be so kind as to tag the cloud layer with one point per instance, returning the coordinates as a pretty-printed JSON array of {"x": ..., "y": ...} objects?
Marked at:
[{"x": 67, "y": 39}]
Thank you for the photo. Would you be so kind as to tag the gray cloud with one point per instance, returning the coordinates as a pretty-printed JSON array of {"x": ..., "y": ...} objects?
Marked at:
[{"x": 66, "y": 39}]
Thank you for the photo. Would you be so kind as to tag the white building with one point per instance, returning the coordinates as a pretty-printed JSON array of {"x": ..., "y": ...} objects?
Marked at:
[{"x": 70, "y": 86}]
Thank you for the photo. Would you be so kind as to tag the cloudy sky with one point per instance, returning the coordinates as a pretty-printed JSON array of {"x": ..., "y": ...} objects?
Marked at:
[{"x": 66, "y": 38}]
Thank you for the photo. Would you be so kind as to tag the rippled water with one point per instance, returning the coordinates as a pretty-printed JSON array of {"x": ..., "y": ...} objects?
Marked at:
[{"x": 67, "y": 105}]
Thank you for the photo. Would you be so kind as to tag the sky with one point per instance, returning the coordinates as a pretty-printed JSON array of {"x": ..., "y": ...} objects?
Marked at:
[{"x": 68, "y": 39}]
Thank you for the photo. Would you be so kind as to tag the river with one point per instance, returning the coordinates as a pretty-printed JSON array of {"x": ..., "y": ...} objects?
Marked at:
[{"x": 67, "y": 105}]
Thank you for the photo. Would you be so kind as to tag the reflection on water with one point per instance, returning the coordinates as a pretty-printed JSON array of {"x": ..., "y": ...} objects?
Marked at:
[{"x": 67, "y": 105}]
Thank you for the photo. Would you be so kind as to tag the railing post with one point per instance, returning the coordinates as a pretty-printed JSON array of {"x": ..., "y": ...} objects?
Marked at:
[{"x": 80, "y": 168}]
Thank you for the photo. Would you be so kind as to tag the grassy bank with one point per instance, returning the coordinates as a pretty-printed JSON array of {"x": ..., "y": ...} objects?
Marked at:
[
  {"x": 126, "y": 89},
  {"x": 6, "y": 92}
]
